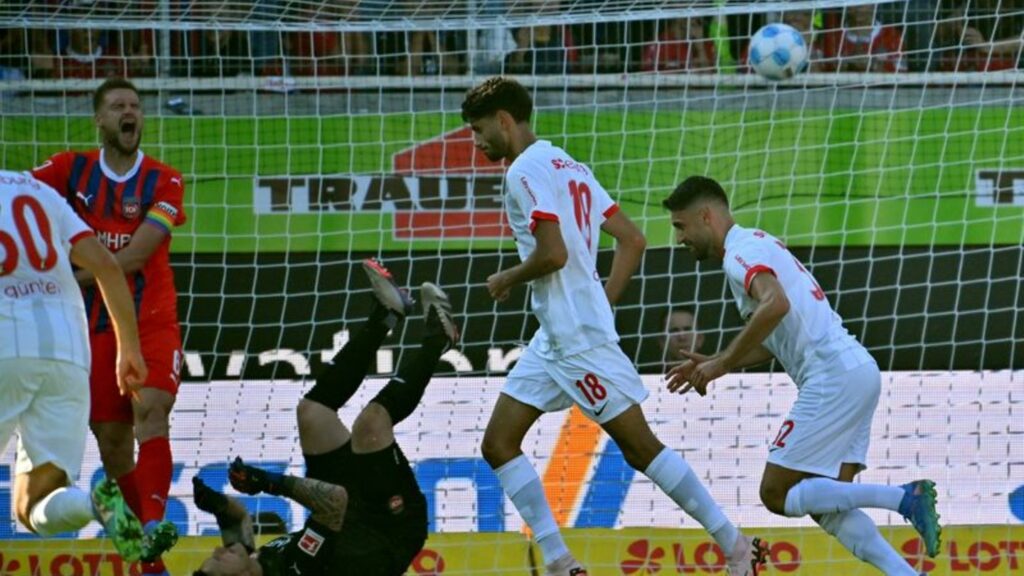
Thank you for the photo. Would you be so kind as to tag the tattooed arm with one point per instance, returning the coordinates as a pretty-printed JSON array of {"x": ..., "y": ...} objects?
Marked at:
[{"x": 326, "y": 501}]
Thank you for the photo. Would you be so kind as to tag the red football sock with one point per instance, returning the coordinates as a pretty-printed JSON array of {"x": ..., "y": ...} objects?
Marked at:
[
  {"x": 153, "y": 478},
  {"x": 130, "y": 491}
]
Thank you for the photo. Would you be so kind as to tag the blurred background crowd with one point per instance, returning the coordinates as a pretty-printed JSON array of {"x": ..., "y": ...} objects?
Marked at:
[{"x": 909, "y": 36}]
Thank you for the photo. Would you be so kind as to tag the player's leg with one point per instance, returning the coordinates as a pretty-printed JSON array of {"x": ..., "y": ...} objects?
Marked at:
[
  {"x": 151, "y": 411},
  {"x": 320, "y": 429},
  {"x": 46, "y": 505},
  {"x": 605, "y": 385},
  {"x": 673, "y": 475},
  {"x": 111, "y": 418},
  {"x": 824, "y": 431},
  {"x": 50, "y": 448},
  {"x": 373, "y": 429},
  {"x": 529, "y": 392},
  {"x": 857, "y": 533},
  {"x": 826, "y": 436}
]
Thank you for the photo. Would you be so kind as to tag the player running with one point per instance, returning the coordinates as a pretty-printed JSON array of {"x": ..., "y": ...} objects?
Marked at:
[
  {"x": 823, "y": 442},
  {"x": 132, "y": 202},
  {"x": 369, "y": 517},
  {"x": 44, "y": 360},
  {"x": 557, "y": 210}
]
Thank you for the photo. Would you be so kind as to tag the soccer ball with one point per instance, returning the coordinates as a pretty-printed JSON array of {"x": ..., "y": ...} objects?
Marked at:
[{"x": 778, "y": 52}]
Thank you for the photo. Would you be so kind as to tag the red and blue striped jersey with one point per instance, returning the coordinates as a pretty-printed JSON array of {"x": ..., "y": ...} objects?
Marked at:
[{"x": 115, "y": 206}]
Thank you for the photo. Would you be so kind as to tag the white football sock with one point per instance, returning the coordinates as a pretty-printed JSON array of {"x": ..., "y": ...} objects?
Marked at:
[
  {"x": 676, "y": 479},
  {"x": 522, "y": 485},
  {"x": 856, "y": 531},
  {"x": 825, "y": 496},
  {"x": 63, "y": 510}
]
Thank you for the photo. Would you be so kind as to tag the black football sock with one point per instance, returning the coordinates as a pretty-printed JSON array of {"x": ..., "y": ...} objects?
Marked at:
[
  {"x": 403, "y": 393},
  {"x": 337, "y": 382}
]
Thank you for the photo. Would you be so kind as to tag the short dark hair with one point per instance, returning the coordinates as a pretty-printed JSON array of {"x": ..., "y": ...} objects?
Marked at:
[
  {"x": 112, "y": 83},
  {"x": 668, "y": 312},
  {"x": 497, "y": 93},
  {"x": 692, "y": 189}
]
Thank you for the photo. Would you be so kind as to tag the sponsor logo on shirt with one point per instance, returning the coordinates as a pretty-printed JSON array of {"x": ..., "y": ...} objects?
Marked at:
[
  {"x": 310, "y": 542},
  {"x": 112, "y": 240},
  {"x": 562, "y": 164}
]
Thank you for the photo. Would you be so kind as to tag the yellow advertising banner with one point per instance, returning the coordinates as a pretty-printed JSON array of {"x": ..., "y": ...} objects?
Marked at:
[
  {"x": 804, "y": 551},
  {"x": 976, "y": 550},
  {"x": 497, "y": 554}
]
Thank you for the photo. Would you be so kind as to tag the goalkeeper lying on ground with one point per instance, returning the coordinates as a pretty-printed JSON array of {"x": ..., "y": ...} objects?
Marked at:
[{"x": 368, "y": 515}]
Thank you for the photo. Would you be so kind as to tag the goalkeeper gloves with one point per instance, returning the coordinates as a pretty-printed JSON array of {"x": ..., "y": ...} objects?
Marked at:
[
  {"x": 252, "y": 480},
  {"x": 207, "y": 499}
]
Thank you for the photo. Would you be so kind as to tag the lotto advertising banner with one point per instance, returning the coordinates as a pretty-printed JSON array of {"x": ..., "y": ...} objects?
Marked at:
[
  {"x": 961, "y": 429},
  {"x": 400, "y": 181},
  {"x": 633, "y": 551},
  {"x": 803, "y": 551}
]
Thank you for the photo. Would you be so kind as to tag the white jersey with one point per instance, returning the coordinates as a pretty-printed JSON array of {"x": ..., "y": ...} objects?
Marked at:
[
  {"x": 41, "y": 309},
  {"x": 545, "y": 183},
  {"x": 811, "y": 340}
]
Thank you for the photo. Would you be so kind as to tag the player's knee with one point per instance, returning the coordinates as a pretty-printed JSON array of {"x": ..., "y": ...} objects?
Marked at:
[
  {"x": 307, "y": 412},
  {"x": 25, "y": 501},
  {"x": 639, "y": 455},
  {"x": 372, "y": 424},
  {"x": 153, "y": 408},
  {"x": 496, "y": 451},
  {"x": 774, "y": 498}
]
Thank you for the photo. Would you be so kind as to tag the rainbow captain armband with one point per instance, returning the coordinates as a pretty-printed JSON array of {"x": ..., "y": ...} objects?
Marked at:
[{"x": 163, "y": 215}]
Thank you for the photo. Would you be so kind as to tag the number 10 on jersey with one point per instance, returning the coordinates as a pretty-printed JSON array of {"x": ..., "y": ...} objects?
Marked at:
[{"x": 581, "y": 201}]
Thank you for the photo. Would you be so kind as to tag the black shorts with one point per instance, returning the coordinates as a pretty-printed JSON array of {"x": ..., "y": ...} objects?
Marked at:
[{"x": 386, "y": 523}]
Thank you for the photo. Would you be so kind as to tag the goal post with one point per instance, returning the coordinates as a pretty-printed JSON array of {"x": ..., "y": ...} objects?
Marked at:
[{"x": 307, "y": 146}]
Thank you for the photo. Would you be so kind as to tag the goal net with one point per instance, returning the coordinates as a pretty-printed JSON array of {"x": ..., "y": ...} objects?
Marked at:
[{"x": 315, "y": 133}]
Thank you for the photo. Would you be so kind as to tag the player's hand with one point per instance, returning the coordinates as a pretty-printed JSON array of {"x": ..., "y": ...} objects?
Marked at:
[
  {"x": 252, "y": 480},
  {"x": 497, "y": 287},
  {"x": 696, "y": 373},
  {"x": 207, "y": 499},
  {"x": 680, "y": 375},
  {"x": 131, "y": 371}
]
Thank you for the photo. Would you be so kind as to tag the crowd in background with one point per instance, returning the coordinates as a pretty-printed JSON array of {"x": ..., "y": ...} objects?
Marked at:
[{"x": 916, "y": 35}]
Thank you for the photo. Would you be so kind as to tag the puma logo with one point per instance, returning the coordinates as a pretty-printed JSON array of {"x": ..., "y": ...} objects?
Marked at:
[{"x": 87, "y": 200}]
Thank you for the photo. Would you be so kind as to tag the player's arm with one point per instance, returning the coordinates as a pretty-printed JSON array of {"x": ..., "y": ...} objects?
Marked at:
[
  {"x": 549, "y": 256},
  {"x": 135, "y": 254},
  {"x": 88, "y": 254},
  {"x": 772, "y": 307},
  {"x": 232, "y": 518},
  {"x": 327, "y": 502},
  {"x": 630, "y": 244},
  {"x": 757, "y": 355}
]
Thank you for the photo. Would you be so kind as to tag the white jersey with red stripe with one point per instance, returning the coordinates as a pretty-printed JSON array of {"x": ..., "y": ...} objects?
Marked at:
[
  {"x": 545, "y": 183},
  {"x": 41, "y": 309},
  {"x": 811, "y": 341}
]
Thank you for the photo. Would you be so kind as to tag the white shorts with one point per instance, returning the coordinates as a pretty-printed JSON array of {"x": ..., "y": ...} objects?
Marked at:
[
  {"x": 47, "y": 403},
  {"x": 830, "y": 423},
  {"x": 601, "y": 381}
]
